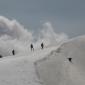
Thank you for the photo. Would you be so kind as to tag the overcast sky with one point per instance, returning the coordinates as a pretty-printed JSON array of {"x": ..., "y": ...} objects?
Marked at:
[{"x": 65, "y": 15}]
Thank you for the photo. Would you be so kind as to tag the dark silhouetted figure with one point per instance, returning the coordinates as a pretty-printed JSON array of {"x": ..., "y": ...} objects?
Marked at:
[
  {"x": 42, "y": 45},
  {"x": 1, "y": 56},
  {"x": 70, "y": 60},
  {"x": 32, "y": 48},
  {"x": 13, "y": 52}
]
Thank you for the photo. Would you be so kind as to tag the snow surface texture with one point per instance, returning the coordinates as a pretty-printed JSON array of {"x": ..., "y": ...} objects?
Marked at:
[
  {"x": 55, "y": 69},
  {"x": 20, "y": 69}
]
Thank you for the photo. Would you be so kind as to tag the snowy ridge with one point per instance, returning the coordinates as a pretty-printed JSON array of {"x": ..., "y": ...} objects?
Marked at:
[{"x": 20, "y": 70}]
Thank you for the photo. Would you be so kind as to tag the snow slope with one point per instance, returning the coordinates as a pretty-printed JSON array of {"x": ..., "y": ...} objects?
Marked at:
[
  {"x": 20, "y": 70},
  {"x": 55, "y": 69}
]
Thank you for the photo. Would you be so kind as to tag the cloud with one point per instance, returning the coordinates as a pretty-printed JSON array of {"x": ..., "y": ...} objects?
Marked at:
[
  {"x": 13, "y": 29},
  {"x": 14, "y": 36},
  {"x": 49, "y": 37}
]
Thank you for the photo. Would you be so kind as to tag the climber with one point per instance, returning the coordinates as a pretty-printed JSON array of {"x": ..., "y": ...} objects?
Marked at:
[
  {"x": 32, "y": 48},
  {"x": 42, "y": 45},
  {"x": 13, "y": 52}
]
